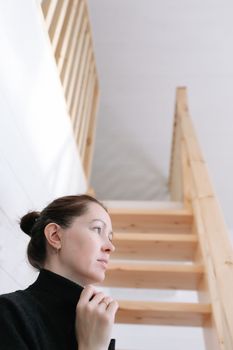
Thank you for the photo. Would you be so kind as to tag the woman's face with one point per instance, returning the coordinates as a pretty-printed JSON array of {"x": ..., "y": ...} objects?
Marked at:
[{"x": 86, "y": 246}]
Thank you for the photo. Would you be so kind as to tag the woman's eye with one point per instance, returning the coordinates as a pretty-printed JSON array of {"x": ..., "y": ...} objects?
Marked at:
[{"x": 97, "y": 229}]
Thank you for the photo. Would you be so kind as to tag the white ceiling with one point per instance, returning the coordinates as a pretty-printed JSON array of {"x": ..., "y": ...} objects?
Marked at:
[{"x": 144, "y": 50}]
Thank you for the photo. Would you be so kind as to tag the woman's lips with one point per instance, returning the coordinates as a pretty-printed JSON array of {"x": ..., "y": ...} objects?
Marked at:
[{"x": 103, "y": 262}]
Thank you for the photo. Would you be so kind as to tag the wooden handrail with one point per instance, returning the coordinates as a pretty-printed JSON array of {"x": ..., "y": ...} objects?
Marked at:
[
  {"x": 190, "y": 181},
  {"x": 68, "y": 26}
]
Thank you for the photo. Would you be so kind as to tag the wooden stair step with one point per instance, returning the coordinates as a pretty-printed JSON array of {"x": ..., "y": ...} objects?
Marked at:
[
  {"x": 153, "y": 220},
  {"x": 163, "y": 313},
  {"x": 146, "y": 246},
  {"x": 158, "y": 276}
]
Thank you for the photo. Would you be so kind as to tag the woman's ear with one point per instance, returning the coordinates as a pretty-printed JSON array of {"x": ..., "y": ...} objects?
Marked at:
[{"x": 53, "y": 235}]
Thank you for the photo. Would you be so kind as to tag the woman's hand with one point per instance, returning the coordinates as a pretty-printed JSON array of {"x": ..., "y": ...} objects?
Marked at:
[{"x": 95, "y": 314}]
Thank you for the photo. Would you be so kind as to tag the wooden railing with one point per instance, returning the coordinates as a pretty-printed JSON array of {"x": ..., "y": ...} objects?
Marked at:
[
  {"x": 68, "y": 26},
  {"x": 189, "y": 181}
]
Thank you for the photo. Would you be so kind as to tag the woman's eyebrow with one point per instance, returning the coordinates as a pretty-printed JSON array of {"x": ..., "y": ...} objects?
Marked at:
[{"x": 104, "y": 223}]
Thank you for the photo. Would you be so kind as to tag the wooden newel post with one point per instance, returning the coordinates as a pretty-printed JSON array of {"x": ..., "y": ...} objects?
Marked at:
[{"x": 179, "y": 181}]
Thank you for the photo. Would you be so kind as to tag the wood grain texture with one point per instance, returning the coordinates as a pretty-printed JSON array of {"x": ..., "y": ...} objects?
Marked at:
[
  {"x": 160, "y": 276},
  {"x": 69, "y": 30},
  {"x": 155, "y": 246},
  {"x": 211, "y": 231},
  {"x": 139, "y": 220},
  {"x": 177, "y": 314}
]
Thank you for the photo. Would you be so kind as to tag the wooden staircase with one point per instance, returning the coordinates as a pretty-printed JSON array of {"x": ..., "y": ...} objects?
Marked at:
[
  {"x": 174, "y": 249},
  {"x": 69, "y": 32},
  {"x": 155, "y": 237},
  {"x": 177, "y": 249}
]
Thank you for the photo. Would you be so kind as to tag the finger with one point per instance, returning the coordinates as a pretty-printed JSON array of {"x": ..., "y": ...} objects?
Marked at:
[
  {"x": 107, "y": 300},
  {"x": 97, "y": 298},
  {"x": 87, "y": 293},
  {"x": 112, "y": 307},
  {"x": 104, "y": 303}
]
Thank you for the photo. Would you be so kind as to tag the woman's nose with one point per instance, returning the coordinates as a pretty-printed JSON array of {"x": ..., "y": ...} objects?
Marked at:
[{"x": 108, "y": 246}]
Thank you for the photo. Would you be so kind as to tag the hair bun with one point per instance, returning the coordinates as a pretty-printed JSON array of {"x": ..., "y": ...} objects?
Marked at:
[{"x": 28, "y": 221}]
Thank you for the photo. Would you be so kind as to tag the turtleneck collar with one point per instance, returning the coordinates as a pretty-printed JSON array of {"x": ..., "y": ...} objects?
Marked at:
[
  {"x": 59, "y": 295},
  {"x": 59, "y": 286}
]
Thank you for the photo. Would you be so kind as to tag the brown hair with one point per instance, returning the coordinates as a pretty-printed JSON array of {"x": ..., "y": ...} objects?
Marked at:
[{"x": 61, "y": 211}]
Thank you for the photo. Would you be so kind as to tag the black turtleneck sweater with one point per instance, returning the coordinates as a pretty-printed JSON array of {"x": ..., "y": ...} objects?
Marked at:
[{"x": 41, "y": 317}]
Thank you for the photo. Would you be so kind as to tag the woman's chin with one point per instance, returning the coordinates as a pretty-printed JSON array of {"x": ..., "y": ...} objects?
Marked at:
[{"x": 98, "y": 279}]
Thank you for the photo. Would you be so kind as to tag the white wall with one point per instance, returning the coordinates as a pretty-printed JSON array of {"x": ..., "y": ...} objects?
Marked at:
[
  {"x": 144, "y": 50},
  {"x": 38, "y": 156}
]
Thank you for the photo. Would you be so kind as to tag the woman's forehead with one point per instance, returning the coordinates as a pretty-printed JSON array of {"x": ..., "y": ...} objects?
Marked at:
[
  {"x": 96, "y": 212},
  {"x": 96, "y": 208}
]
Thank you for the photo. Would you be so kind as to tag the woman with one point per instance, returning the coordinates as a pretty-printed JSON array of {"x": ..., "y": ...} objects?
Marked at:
[{"x": 71, "y": 241}]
